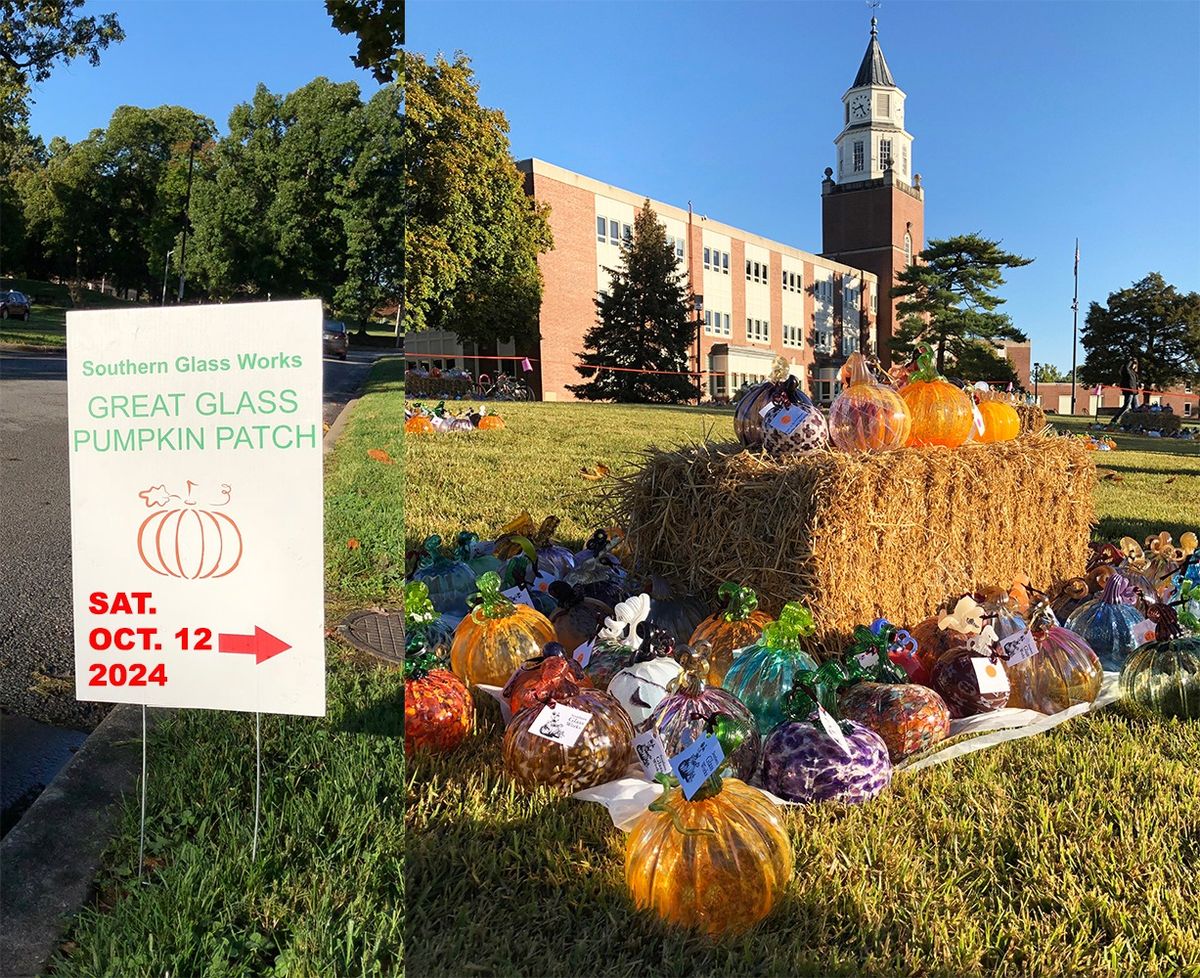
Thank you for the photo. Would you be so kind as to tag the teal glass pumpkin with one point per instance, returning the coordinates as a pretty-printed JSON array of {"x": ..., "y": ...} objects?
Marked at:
[
  {"x": 766, "y": 671},
  {"x": 450, "y": 581},
  {"x": 471, "y": 552},
  {"x": 1106, "y": 622},
  {"x": 1163, "y": 676}
]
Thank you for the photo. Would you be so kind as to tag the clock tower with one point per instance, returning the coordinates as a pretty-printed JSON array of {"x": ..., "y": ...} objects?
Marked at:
[{"x": 873, "y": 209}]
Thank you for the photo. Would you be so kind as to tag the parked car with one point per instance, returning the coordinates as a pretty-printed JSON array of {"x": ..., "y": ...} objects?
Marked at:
[
  {"x": 336, "y": 340},
  {"x": 14, "y": 305}
]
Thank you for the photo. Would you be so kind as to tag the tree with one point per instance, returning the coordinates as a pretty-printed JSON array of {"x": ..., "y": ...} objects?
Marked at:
[
  {"x": 949, "y": 296},
  {"x": 974, "y": 361},
  {"x": 379, "y": 25},
  {"x": 644, "y": 323},
  {"x": 472, "y": 235},
  {"x": 37, "y": 34},
  {"x": 1050, "y": 374},
  {"x": 1150, "y": 320}
]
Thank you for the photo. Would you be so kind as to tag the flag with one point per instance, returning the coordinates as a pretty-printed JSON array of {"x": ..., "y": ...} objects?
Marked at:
[
  {"x": 1010, "y": 387},
  {"x": 1099, "y": 390},
  {"x": 526, "y": 365}
]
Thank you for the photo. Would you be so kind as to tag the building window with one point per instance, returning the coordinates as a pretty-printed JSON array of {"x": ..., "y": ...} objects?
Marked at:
[
  {"x": 725, "y": 262},
  {"x": 874, "y": 302},
  {"x": 707, "y": 257},
  {"x": 614, "y": 232},
  {"x": 728, "y": 328},
  {"x": 758, "y": 330},
  {"x": 885, "y": 153},
  {"x": 907, "y": 248},
  {"x": 823, "y": 340},
  {"x": 601, "y": 229},
  {"x": 1187, "y": 409},
  {"x": 791, "y": 335},
  {"x": 883, "y": 103},
  {"x": 627, "y": 233},
  {"x": 748, "y": 264},
  {"x": 679, "y": 248},
  {"x": 904, "y": 159},
  {"x": 849, "y": 342},
  {"x": 858, "y": 155},
  {"x": 847, "y": 113}
]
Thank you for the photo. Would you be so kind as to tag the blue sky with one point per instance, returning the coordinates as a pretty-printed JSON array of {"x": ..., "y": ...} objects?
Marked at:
[
  {"x": 1033, "y": 122},
  {"x": 208, "y": 55}
]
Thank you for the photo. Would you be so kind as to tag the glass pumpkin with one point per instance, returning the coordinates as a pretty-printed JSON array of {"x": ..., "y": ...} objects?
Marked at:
[
  {"x": 1106, "y": 622},
  {"x": 450, "y": 581},
  {"x": 747, "y": 415},
  {"x": 690, "y": 711},
  {"x": 549, "y": 676},
  {"x": 418, "y": 424},
  {"x": 438, "y": 710},
  {"x": 601, "y": 754},
  {"x": 470, "y": 552},
  {"x": 867, "y": 416},
  {"x": 766, "y": 671},
  {"x": 672, "y": 610},
  {"x": 941, "y": 413},
  {"x": 521, "y": 571},
  {"x": 739, "y": 624},
  {"x": 576, "y": 619},
  {"x": 497, "y": 636},
  {"x": 1163, "y": 676},
  {"x": 1001, "y": 609},
  {"x": 956, "y": 681},
  {"x": 940, "y": 634},
  {"x": 1000, "y": 421},
  {"x": 1063, "y": 673},
  {"x": 619, "y": 639},
  {"x": 652, "y": 676},
  {"x": 490, "y": 422},
  {"x": 811, "y": 433},
  {"x": 1069, "y": 596},
  {"x": 717, "y": 863},
  {"x": 423, "y": 620}
]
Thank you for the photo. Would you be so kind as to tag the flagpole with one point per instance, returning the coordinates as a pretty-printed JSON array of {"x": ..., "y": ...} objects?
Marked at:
[{"x": 1075, "y": 327}]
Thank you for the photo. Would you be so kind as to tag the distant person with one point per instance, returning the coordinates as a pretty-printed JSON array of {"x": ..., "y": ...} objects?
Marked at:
[{"x": 1131, "y": 382}]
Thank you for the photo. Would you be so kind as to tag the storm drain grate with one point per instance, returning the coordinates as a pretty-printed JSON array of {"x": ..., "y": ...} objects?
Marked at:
[{"x": 379, "y": 633}]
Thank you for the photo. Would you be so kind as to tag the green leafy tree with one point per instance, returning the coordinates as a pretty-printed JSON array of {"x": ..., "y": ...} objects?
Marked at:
[
  {"x": 1151, "y": 320},
  {"x": 1050, "y": 374},
  {"x": 949, "y": 296},
  {"x": 472, "y": 235},
  {"x": 19, "y": 155},
  {"x": 379, "y": 25},
  {"x": 644, "y": 323},
  {"x": 35, "y": 36},
  {"x": 974, "y": 361}
]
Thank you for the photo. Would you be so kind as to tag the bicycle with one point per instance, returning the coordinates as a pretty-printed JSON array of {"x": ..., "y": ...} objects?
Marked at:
[{"x": 509, "y": 389}]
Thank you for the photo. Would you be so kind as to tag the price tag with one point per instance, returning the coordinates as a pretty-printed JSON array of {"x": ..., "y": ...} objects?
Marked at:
[
  {"x": 990, "y": 675},
  {"x": 561, "y": 724},
  {"x": 766, "y": 409},
  {"x": 1144, "y": 631},
  {"x": 1019, "y": 646},
  {"x": 518, "y": 595},
  {"x": 868, "y": 660},
  {"x": 652, "y": 754},
  {"x": 695, "y": 763},
  {"x": 833, "y": 729},
  {"x": 543, "y": 581},
  {"x": 788, "y": 419},
  {"x": 583, "y": 654}
]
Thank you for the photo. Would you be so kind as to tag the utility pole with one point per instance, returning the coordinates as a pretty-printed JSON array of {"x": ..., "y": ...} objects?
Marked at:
[
  {"x": 695, "y": 305},
  {"x": 1037, "y": 368},
  {"x": 187, "y": 214},
  {"x": 166, "y": 268},
  {"x": 1075, "y": 331}
]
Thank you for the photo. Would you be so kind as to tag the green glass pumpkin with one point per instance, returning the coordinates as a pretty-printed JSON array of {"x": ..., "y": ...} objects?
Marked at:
[{"x": 1163, "y": 676}]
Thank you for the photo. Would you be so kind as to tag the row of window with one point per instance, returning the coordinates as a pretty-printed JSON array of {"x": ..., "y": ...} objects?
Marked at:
[
  {"x": 756, "y": 271},
  {"x": 792, "y": 282},
  {"x": 885, "y": 155},
  {"x": 758, "y": 330},
  {"x": 717, "y": 323},
  {"x": 676, "y": 246},
  {"x": 716, "y": 261},
  {"x": 611, "y": 231}
]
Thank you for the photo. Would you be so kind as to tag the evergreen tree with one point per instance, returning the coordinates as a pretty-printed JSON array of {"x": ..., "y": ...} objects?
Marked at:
[
  {"x": 975, "y": 360},
  {"x": 644, "y": 322},
  {"x": 949, "y": 297},
  {"x": 1150, "y": 320}
]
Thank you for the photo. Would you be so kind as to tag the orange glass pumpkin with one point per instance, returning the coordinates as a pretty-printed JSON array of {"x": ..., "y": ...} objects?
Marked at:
[
  {"x": 418, "y": 424},
  {"x": 497, "y": 636},
  {"x": 941, "y": 413},
  {"x": 490, "y": 422},
  {"x": 1000, "y": 422},
  {"x": 551, "y": 675},
  {"x": 740, "y": 624},
  {"x": 577, "y": 619},
  {"x": 438, "y": 709},
  {"x": 602, "y": 753},
  {"x": 717, "y": 863},
  {"x": 867, "y": 416}
]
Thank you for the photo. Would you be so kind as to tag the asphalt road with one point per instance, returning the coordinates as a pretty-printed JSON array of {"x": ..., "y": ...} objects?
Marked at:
[{"x": 36, "y": 641}]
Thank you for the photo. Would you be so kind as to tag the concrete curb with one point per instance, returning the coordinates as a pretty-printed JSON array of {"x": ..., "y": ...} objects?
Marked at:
[
  {"x": 51, "y": 856},
  {"x": 32, "y": 348},
  {"x": 335, "y": 429}
]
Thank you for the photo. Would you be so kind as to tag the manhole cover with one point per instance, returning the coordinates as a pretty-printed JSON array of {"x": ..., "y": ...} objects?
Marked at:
[{"x": 376, "y": 632}]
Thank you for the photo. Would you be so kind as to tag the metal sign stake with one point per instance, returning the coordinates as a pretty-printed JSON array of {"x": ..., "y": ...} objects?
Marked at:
[
  {"x": 257, "y": 782},
  {"x": 142, "y": 824}
]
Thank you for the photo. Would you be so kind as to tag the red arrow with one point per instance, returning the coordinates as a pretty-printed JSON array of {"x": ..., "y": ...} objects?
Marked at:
[{"x": 262, "y": 644}]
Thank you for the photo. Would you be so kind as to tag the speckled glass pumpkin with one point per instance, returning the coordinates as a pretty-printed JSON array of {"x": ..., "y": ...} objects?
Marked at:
[
  {"x": 867, "y": 416},
  {"x": 802, "y": 763},
  {"x": 438, "y": 709},
  {"x": 747, "y": 416},
  {"x": 674, "y": 611},
  {"x": 450, "y": 581},
  {"x": 1063, "y": 673},
  {"x": 549, "y": 676},
  {"x": 497, "y": 636},
  {"x": 688, "y": 713},
  {"x": 941, "y": 413},
  {"x": 955, "y": 680},
  {"x": 764, "y": 672},
  {"x": 738, "y": 625},
  {"x": 909, "y": 718},
  {"x": 717, "y": 863},
  {"x": 609, "y": 657},
  {"x": 811, "y": 433},
  {"x": 602, "y": 753},
  {"x": 1163, "y": 676},
  {"x": 576, "y": 619},
  {"x": 1106, "y": 622},
  {"x": 1000, "y": 421}
]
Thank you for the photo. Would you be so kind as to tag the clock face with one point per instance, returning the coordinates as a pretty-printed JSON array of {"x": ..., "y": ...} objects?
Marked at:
[{"x": 859, "y": 107}]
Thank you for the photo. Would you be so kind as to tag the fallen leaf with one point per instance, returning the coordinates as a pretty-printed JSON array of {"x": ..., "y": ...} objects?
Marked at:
[
  {"x": 590, "y": 476},
  {"x": 380, "y": 456},
  {"x": 1169, "y": 481},
  {"x": 352, "y": 543},
  {"x": 602, "y": 468}
]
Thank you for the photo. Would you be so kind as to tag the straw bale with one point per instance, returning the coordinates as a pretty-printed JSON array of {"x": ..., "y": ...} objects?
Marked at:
[
  {"x": 856, "y": 537},
  {"x": 1033, "y": 418}
]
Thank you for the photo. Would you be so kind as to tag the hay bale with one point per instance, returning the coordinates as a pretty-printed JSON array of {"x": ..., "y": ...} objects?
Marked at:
[
  {"x": 1033, "y": 418},
  {"x": 857, "y": 537}
]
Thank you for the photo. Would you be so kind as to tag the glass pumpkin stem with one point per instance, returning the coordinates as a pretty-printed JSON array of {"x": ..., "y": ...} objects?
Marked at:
[
  {"x": 418, "y": 609},
  {"x": 488, "y": 599},
  {"x": 662, "y": 803},
  {"x": 795, "y": 622},
  {"x": 925, "y": 364},
  {"x": 739, "y": 601},
  {"x": 419, "y": 664}
]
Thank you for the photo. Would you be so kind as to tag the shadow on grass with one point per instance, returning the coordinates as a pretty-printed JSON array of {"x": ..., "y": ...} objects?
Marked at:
[{"x": 1113, "y": 528}]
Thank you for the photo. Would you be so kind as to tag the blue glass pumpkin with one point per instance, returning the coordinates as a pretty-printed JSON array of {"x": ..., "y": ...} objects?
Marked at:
[
  {"x": 450, "y": 581},
  {"x": 766, "y": 671},
  {"x": 1106, "y": 622}
]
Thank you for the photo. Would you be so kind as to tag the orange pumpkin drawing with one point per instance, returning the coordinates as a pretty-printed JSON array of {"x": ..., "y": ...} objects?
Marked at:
[{"x": 190, "y": 543}]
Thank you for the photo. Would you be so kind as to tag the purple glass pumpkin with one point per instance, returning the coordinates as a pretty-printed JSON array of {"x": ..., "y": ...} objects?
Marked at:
[
  {"x": 1106, "y": 622},
  {"x": 802, "y": 763}
]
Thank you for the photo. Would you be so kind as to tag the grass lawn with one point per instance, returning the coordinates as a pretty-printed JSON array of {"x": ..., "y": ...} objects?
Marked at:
[
  {"x": 47, "y": 325},
  {"x": 326, "y": 895},
  {"x": 1071, "y": 853}
]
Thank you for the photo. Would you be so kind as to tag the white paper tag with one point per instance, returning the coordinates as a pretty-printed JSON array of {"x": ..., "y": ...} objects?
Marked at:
[
  {"x": 833, "y": 729},
  {"x": 787, "y": 420},
  {"x": 1019, "y": 646},
  {"x": 561, "y": 724},
  {"x": 518, "y": 595},
  {"x": 868, "y": 660},
  {"x": 583, "y": 654},
  {"x": 543, "y": 581},
  {"x": 651, "y": 753},
  {"x": 695, "y": 763},
  {"x": 1144, "y": 631},
  {"x": 990, "y": 675},
  {"x": 766, "y": 409},
  {"x": 978, "y": 418}
]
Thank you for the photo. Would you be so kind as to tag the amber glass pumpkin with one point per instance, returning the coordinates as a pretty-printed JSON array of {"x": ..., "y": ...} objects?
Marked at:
[
  {"x": 577, "y": 619},
  {"x": 717, "y": 863},
  {"x": 602, "y": 753},
  {"x": 1000, "y": 421},
  {"x": 941, "y": 413},
  {"x": 490, "y": 422},
  {"x": 497, "y": 636},
  {"x": 549, "y": 676},
  {"x": 418, "y": 424},
  {"x": 1163, "y": 676},
  {"x": 1064, "y": 672},
  {"x": 738, "y": 625},
  {"x": 867, "y": 416}
]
